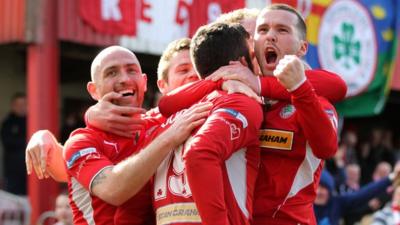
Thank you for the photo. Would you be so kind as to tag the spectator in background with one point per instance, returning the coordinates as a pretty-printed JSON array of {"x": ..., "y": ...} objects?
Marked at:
[
  {"x": 352, "y": 182},
  {"x": 349, "y": 144},
  {"x": 388, "y": 154},
  {"x": 367, "y": 161},
  {"x": 382, "y": 170},
  {"x": 336, "y": 167},
  {"x": 374, "y": 151},
  {"x": 13, "y": 134},
  {"x": 330, "y": 208},
  {"x": 63, "y": 210}
]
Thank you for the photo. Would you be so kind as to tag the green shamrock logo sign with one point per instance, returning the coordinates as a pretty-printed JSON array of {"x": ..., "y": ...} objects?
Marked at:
[{"x": 346, "y": 46}]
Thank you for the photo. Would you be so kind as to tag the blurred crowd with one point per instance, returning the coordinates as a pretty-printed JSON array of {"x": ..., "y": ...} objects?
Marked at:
[{"x": 353, "y": 187}]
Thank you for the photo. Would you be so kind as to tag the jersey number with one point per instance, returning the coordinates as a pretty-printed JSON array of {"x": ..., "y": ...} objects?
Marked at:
[{"x": 177, "y": 181}]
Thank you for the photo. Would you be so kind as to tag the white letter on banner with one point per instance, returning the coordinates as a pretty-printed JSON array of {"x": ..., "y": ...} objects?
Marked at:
[
  {"x": 110, "y": 10},
  {"x": 213, "y": 12}
]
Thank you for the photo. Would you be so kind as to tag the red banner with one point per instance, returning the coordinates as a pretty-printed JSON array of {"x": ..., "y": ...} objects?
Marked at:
[
  {"x": 205, "y": 11},
  {"x": 116, "y": 17}
]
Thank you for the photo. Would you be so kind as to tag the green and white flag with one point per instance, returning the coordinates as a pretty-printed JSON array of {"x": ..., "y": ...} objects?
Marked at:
[{"x": 357, "y": 40}]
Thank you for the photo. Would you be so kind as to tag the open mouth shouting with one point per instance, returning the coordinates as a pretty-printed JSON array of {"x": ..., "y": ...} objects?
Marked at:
[{"x": 271, "y": 58}]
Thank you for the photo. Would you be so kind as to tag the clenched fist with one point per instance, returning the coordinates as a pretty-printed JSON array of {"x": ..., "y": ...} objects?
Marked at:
[{"x": 290, "y": 72}]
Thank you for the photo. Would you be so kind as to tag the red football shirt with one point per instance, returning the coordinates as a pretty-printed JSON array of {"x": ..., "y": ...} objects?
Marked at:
[
  {"x": 87, "y": 152},
  {"x": 210, "y": 178}
]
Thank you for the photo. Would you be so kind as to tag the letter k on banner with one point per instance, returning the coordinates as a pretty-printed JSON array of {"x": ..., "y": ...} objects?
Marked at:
[{"x": 117, "y": 17}]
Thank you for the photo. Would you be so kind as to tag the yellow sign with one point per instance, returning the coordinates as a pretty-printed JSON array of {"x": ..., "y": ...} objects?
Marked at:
[{"x": 276, "y": 139}]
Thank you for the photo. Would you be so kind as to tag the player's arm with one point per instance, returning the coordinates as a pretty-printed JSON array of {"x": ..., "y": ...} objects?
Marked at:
[
  {"x": 44, "y": 154},
  {"x": 316, "y": 116},
  {"x": 326, "y": 84},
  {"x": 185, "y": 96},
  {"x": 319, "y": 121},
  {"x": 226, "y": 130},
  {"x": 120, "y": 120},
  {"x": 117, "y": 184}
]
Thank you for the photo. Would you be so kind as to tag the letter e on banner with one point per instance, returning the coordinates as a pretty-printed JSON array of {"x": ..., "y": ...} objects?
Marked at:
[
  {"x": 182, "y": 12},
  {"x": 117, "y": 17}
]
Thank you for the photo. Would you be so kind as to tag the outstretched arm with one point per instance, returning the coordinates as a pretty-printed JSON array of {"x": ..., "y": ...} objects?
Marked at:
[
  {"x": 371, "y": 190},
  {"x": 326, "y": 84},
  {"x": 185, "y": 96},
  {"x": 44, "y": 154}
]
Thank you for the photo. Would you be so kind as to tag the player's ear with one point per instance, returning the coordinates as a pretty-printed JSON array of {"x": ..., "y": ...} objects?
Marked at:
[
  {"x": 162, "y": 86},
  {"x": 243, "y": 61},
  {"x": 303, "y": 48},
  {"x": 145, "y": 81},
  {"x": 92, "y": 89}
]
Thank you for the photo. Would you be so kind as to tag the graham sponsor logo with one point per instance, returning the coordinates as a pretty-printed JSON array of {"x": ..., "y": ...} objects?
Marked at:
[
  {"x": 276, "y": 139},
  {"x": 178, "y": 213}
]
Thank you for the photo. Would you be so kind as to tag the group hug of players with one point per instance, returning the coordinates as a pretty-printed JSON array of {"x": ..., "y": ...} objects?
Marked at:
[{"x": 243, "y": 143}]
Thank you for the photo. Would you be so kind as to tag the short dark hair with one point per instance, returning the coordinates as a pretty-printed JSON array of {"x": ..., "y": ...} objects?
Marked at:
[
  {"x": 301, "y": 24},
  {"x": 216, "y": 44}
]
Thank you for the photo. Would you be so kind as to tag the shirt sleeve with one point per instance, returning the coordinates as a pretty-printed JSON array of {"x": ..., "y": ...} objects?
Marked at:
[
  {"x": 84, "y": 158},
  {"x": 318, "y": 120},
  {"x": 231, "y": 126},
  {"x": 326, "y": 84},
  {"x": 185, "y": 96}
]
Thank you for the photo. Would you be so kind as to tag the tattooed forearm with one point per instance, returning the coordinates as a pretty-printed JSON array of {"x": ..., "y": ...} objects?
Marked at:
[{"x": 100, "y": 177}]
